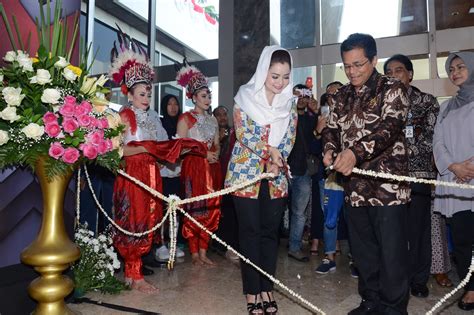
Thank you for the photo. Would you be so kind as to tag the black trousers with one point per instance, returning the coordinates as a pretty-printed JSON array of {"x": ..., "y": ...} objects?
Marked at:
[
  {"x": 462, "y": 231},
  {"x": 317, "y": 215},
  {"x": 419, "y": 233},
  {"x": 259, "y": 220},
  {"x": 379, "y": 247},
  {"x": 228, "y": 227}
]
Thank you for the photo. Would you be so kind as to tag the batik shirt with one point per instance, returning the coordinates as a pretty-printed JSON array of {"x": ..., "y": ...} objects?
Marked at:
[
  {"x": 251, "y": 154},
  {"x": 370, "y": 122},
  {"x": 421, "y": 120}
]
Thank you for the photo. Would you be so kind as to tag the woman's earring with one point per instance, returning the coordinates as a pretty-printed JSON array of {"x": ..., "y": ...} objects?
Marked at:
[{"x": 130, "y": 103}]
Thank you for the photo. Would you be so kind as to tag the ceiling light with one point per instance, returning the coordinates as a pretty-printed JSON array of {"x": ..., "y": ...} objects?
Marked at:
[
  {"x": 471, "y": 10},
  {"x": 407, "y": 18}
]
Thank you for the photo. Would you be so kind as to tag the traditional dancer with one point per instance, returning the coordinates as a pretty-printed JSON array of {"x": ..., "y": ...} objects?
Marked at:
[
  {"x": 135, "y": 209},
  {"x": 199, "y": 175}
]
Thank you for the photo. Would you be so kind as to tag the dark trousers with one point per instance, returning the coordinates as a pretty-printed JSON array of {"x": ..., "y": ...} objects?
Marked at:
[
  {"x": 419, "y": 233},
  {"x": 228, "y": 227},
  {"x": 103, "y": 186},
  {"x": 379, "y": 247},
  {"x": 462, "y": 231},
  {"x": 317, "y": 215},
  {"x": 259, "y": 220}
]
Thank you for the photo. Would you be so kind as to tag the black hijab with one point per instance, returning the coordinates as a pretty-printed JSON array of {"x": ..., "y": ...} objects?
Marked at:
[{"x": 169, "y": 123}]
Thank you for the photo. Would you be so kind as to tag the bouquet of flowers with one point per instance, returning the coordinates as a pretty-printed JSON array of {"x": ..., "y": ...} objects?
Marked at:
[
  {"x": 50, "y": 108},
  {"x": 95, "y": 270}
]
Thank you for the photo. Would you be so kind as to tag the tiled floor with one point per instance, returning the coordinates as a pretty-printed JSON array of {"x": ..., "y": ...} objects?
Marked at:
[{"x": 217, "y": 290}]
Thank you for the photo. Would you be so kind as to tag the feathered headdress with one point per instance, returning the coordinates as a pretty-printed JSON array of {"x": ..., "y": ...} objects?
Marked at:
[
  {"x": 129, "y": 63},
  {"x": 191, "y": 78}
]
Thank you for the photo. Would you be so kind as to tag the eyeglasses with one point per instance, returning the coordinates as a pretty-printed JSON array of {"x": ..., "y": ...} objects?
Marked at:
[{"x": 356, "y": 65}]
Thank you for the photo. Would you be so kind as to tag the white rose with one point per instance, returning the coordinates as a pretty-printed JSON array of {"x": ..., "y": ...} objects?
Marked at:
[
  {"x": 50, "y": 96},
  {"x": 3, "y": 137},
  {"x": 9, "y": 113},
  {"x": 69, "y": 75},
  {"x": 42, "y": 77},
  {"x": 114, "y": 120},
  {"x": 12, "y": 96},
  {"x": 10, "y": 56},
  {"x": 33, "y": 131},
  {"x": 25, "y": 61},
  {"x": 61, "y": 63}
]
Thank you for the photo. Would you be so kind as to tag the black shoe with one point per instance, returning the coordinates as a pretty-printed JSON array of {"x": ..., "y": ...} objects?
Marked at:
[
  {"x": 146, "y": 271},
  {"x": 419, "y": 290},
  {"x": 298, "y": 255},
  {"x": 465, "y": 306},
  {"x": 365, "y": 308}
]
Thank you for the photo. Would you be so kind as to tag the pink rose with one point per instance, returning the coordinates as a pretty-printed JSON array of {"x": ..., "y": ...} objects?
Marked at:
[
  {"x": 56, "y": 150},
  {"x": 94, "y": 122},
  {"x": 84, "y": 120},
  {"x": 70, "y": 155},
  {"x": 70, "y": 125},
  {"x": 110, "y": 144},
  {"x": 95, "y": 137},
  {"x": 83, "y": 109},
  {"x": 103, "y": 123},
  {"x": 52, "y": 129},
  {"x": 50, "y": 117},
  {"x": 102, "y": 147},
  {"x": 89, "y": 150},
  {"x": 70, "y": 100},
  {"x": 67, "y": 110}
]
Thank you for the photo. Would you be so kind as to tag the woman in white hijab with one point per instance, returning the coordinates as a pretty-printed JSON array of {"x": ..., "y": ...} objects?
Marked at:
[
  {"x": 265, "y": 124},
  {"x": 453, "y": 149}
]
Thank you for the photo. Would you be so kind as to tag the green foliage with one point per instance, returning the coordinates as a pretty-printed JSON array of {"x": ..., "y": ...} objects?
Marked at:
[
  {"x": 34, "y": 87},
  {"x": 94, "y": 271}
]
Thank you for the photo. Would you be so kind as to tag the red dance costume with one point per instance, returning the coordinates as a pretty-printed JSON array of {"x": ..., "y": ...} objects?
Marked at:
[
  {"x": 135, "y": 209},
  {"x": 198, "y": 177}
]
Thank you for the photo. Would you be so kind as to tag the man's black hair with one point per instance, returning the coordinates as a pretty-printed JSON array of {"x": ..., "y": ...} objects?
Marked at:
[{"x": 358, "y": 40}]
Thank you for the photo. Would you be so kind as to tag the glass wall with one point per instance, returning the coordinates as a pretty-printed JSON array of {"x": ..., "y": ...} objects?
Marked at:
[
  {"x": 293, "y": 23},
  {"x": 192, "y": 23},
  {"x": 340, "y": 18}
]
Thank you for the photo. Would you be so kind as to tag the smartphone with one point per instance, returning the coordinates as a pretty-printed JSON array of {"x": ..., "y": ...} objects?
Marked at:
[{"x": 325, "y": 110}]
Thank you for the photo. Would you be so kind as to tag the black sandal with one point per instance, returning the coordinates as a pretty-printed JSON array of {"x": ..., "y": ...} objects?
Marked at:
[
  {"x": 270, "y": 304},
  {"x": 253, "y": 308}
]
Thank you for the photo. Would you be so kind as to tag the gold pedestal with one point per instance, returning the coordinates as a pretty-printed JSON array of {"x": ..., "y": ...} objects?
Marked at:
[{"x": 52, "y": 251}]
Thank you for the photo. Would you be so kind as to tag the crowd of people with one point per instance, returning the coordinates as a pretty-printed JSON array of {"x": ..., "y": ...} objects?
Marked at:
[{"x": 396, "y": 231}]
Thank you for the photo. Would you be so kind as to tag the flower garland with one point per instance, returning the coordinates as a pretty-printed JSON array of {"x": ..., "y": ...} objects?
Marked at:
[
  {"x": 462, "y": 284},
  {"x": 174, "y": 202},
  {"x": 173, "y": 205}
]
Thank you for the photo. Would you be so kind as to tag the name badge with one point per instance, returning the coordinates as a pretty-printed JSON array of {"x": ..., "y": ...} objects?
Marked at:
[{"x": 409, "y": 132}]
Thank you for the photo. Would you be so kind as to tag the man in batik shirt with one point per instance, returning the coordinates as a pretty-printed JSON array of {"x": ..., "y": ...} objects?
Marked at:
[
  {"x": 421, "y": 119},
  {"x": 365, "y": 130}
]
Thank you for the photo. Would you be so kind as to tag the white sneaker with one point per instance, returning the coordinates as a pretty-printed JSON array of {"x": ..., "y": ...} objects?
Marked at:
[
  {"x": 179, "y": 252},
  {"x": 162, "y": 253}
]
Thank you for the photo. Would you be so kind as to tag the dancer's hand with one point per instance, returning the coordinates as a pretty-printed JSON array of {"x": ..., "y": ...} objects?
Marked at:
[{"x": 212, "y": 157}]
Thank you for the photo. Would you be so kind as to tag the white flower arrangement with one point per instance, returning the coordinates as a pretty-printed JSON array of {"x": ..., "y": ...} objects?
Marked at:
[{"x": 94, "y": 271}]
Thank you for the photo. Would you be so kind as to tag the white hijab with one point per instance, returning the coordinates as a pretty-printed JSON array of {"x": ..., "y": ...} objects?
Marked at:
[{"x": 251, "y": 98}]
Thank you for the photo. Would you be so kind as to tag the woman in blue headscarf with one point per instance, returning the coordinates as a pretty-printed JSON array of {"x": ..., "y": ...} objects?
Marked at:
[{"x": 453, "y": 148}]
